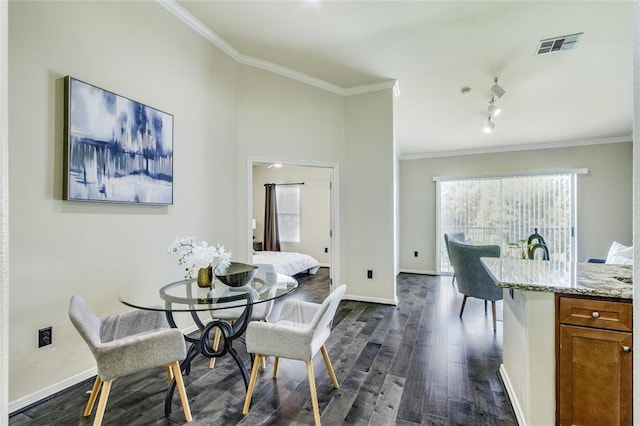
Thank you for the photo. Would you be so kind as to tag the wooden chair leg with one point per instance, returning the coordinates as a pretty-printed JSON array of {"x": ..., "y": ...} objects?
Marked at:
[
  {"x": 102, "y": 403},
  {"x": 314, "y": 396},
  {"x": 464, "y": 300},
  {"x": 216, "y": 343},
  {"x": 252, "y": 383},
  {"x": 181, "y": 390},
  {"x": 327, "y": 361},
  {"x": 169, "y": 373},
  {"x": 92, "y": 397},
  {"x": 453, "y": 279},
  {"x": 264, "y": 358},
  {"x": 493, "y": 313},
  {"x": 276, "y": 363}
]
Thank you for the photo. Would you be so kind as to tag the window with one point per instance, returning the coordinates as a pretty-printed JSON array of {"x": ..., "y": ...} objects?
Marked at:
[
  {"x": 288, "y": 199},
  {"x": 503, "y": 210}
]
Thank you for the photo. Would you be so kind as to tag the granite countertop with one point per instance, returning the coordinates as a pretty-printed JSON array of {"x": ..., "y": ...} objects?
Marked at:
[{"x": 591, "y": 279}]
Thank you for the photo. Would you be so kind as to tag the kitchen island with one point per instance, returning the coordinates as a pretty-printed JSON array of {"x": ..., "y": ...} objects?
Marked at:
[{"x": 532, "y": 296}]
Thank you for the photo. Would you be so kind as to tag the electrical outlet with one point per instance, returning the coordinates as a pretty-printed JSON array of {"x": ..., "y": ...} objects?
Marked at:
[
  {"x": 369, "y": 273},
  {"x": 415, "y": 254},
  {"x": 45, "y": 337},
  {"x": 326, "y": 249}
]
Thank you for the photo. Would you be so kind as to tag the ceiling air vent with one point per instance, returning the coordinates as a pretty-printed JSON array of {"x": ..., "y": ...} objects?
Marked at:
[{"x": 556, "y": 44}]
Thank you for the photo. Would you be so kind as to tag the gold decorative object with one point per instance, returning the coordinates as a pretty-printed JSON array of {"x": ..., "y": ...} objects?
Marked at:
[{"x": 205, "y": 277}]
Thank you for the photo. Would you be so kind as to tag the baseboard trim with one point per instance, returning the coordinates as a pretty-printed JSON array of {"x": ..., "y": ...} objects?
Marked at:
[
  {"x": 511, "y": 394},
  {"x": 51, "y": 390},
  {"x": 380, "y": 300},
  {"x": 418, "y": 271}
]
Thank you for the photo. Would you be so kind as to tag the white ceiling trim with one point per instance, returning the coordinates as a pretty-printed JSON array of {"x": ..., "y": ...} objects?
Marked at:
[
  {"x": 383, "y": 85},
  {"x": 200, "y": 28},
  {"x": 196, "y": 24},
  {"x": 511, "y": 148}
]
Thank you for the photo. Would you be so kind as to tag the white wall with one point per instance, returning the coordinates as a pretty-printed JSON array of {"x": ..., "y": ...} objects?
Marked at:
[
  {"x": 59, "y": 248},
  {"x": 4, "y": 213},
  {"x": 284, "y": 120},
  {"x": 604, "y": 195},
  {"x": 528, "y": 367},
  {"x": 367, "y": 201},
  {"x": 314, "y": 207}
]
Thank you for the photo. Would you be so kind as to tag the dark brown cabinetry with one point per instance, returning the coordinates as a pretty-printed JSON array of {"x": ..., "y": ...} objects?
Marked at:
[{"x": 594, "y": 361}]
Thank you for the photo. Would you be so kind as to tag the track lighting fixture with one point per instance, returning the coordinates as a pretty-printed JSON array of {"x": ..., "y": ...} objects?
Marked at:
[
  {"x": 488, "y": 128},
  {"x": 493, "y": 109}
]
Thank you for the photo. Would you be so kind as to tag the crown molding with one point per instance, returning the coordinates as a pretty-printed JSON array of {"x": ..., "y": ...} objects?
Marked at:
[
  {"x": 511, "y": 148},
  {"x": 367, "y": 88},
  {"x": 197, "y": 25},
  {"x": 288, "y": 72}
]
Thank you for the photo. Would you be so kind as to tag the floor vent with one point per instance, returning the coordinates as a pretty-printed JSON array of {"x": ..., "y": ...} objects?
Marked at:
[{"x": 556, "y": 44}]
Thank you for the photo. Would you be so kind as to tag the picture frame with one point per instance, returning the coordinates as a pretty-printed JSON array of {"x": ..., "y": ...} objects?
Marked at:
[{"x": 117, "y": 150}]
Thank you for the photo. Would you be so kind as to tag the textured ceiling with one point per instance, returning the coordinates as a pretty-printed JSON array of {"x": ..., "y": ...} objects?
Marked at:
[{"x": 434, "y": 48}]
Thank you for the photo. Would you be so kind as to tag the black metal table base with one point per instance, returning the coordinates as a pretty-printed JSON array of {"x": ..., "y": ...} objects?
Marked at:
[{"x": 202, "y": 345}]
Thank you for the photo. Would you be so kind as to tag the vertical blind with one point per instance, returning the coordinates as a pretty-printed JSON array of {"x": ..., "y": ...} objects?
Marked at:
[
  {"x": 506, "y": 210},
  {"x": 288, "y": 199}
]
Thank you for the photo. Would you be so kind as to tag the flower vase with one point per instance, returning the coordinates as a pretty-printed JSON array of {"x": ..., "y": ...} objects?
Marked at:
[{"x": 205, "y": 277}]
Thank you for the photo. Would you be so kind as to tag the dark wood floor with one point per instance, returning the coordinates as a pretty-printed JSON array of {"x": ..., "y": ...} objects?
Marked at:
[{"x": 416, "y": 363}]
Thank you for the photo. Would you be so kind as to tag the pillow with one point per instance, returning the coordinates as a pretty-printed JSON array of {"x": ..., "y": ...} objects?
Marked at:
[{"x": 619, "y": 254}]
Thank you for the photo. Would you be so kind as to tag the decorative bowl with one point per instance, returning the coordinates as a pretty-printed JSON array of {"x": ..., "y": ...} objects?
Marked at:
[{"x": 236, "y": 274}]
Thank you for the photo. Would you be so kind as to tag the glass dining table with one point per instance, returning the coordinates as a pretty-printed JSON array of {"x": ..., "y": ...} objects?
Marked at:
[{"x": 187, "y": 296}]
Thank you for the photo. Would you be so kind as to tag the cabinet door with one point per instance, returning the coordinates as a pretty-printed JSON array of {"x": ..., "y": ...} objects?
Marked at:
[{"x": 595, "y": 377}]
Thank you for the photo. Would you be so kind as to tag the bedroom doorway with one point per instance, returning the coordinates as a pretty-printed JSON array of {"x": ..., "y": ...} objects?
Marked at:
[{"x": 308, "y": 195}]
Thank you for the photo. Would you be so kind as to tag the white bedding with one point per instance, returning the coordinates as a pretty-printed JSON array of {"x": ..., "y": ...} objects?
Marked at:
[{"x": 287, "y": 263}]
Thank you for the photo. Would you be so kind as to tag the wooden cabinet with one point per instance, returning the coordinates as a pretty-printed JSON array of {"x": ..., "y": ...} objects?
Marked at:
[{"x": 593, "y": 361}]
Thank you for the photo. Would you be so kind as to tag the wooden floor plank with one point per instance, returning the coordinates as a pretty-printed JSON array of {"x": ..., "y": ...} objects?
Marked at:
[{"x": 416, "y": 363}]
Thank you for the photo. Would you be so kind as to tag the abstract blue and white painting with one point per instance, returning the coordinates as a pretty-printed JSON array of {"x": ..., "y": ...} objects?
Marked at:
[{"x": 119, "y": 150}]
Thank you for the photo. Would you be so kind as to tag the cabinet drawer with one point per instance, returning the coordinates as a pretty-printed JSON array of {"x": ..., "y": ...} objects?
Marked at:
[{"x": 605, "y": 314}]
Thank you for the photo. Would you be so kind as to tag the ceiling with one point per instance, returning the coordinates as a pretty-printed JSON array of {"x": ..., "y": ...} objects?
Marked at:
[{"x": 435, "y": 48}]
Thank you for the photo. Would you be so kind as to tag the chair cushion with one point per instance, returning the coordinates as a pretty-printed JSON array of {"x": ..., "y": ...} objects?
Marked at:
[
  {"x": 138, "y": 352},
  {"x": 300, "y": 332},
  {"x": 129, "y": 342},
  {"x": 126, "y": 324},
  {"x": 285, "y": 339}
]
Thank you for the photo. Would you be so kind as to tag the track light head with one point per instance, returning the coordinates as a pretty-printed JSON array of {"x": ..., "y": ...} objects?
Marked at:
[
  {"x": 488, "y": 128},
  {"x": 496, "y": 90},
  {"x": 493, "y": 109}
]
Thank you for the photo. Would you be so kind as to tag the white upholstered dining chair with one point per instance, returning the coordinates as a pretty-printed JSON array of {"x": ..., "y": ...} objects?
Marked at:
[
  {"x": 127, "y": 343},
  {"x": 300, "y": 332}
]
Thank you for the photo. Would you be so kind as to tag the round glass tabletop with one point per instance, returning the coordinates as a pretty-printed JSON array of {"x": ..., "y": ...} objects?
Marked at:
[{"x": 187, "y": 296}]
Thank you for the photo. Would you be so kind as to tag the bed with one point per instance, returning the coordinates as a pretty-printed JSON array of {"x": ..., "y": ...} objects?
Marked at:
[{"x": 287, "y": 263}]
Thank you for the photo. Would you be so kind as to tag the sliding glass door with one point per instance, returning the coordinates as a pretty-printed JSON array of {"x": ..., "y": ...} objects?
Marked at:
[{"x": 506, "y": 210}]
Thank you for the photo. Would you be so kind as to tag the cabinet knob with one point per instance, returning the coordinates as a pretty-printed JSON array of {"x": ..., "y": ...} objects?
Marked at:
[
  {"x": 626, "y": 349},
  {"x": 595, "y": 314}
]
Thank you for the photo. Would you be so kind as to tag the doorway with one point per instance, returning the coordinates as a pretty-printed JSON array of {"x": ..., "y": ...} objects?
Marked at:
[{"x": 318, "y": 215}]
